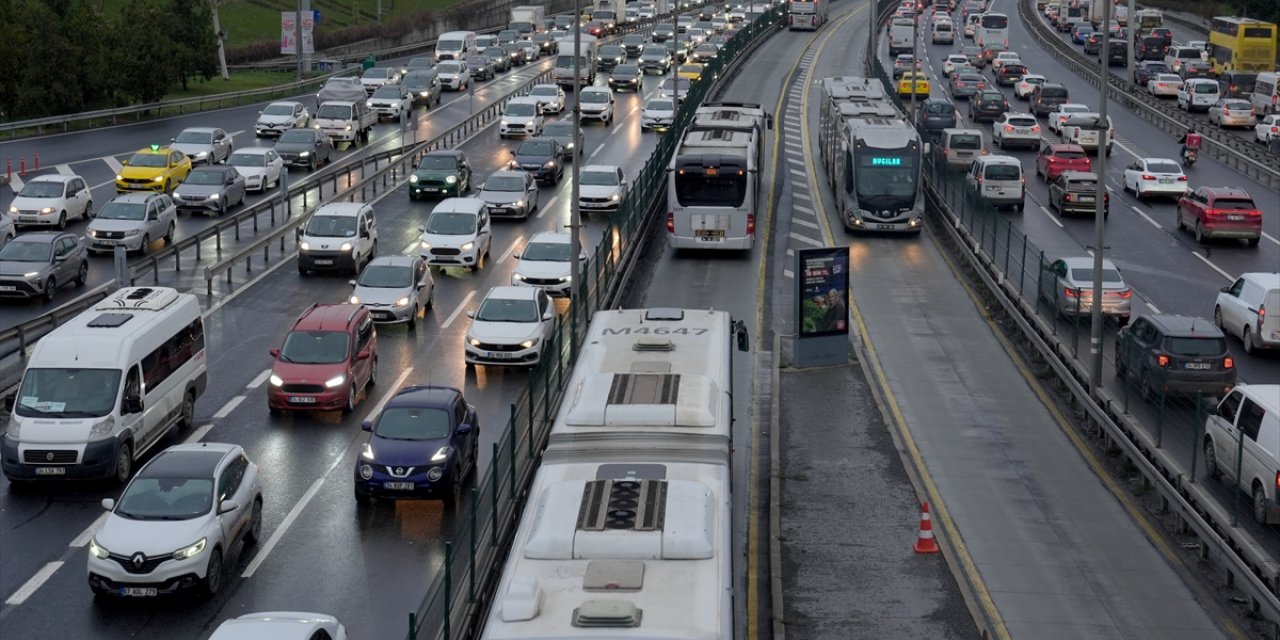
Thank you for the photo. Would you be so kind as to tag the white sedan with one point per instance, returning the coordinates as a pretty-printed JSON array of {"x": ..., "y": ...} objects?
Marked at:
[
  {"x": 1064, "y": 111},
  {"x": 511, "y": 327},
  {"x": 953, "y": 60},
  {"x": 1027, "y": 84},
  {"x": 1267, "y": 129},
  {"x": 1164, "y": 84},
  {"x": 260, "y": 166},
  {"x": 1155, "y": 177}
]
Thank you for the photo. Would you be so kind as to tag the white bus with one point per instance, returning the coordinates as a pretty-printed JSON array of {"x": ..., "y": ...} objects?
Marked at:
[
  {"x": 873, "y": 157},
  {"x": 807, "y": 15},
  {"x": 713, "y": 186},
  {"x": 102, "y": 389},
  {"x": 993, "y": 28},
  {"x": 628, "y": 525}
]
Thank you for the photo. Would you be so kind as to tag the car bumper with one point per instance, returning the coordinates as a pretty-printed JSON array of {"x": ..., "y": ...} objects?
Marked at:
[
  {"x": 554, "y": 287},
  {"x": 620, "y": 85},
  {"x": 732, "y": 243},
  {"x": 148, "y": 186},
  {"x": 255, "y": 182},
  {"x": 1176, "y": 189},
  {"x": 1239, "y": 122},
  {"x": 95, "y": 460},
  {"x": 273, "y": 131},
  {"x": 1029, "y": 140},
  {"x": 130, "y": 243},
  {"x": 327, "y": 261},
  {"x": 596, "y": 115},
  {"x": 202, "y": 206},
  {"x": 1214, "y": 384},
  {"x": 387, "y": 112},
  {"x": 1233, "y": 230},
  {"x": 506, "y": 130},
  {"x": 170, "y": 576},
  {"x": 280, "y": 400},
  {"x": 551, "y": 107},
  {"x": 1112, "y": 308},
  {"x": 508, "y": 210},
  {"x": 420, "y": 488},
  {"x": 603, "y": 207},
  {"x": 390, "y": 314},
  {"x": 34, "y": 220},
  {"x": 464, "y": 259},
  {"x": 427, "y": 191},
  {"x": 453, "y": 84},
  {"x": 521, "y": 357},
  {"x": 1051, "y": 172},
  {"x": 656, "y": 123}
]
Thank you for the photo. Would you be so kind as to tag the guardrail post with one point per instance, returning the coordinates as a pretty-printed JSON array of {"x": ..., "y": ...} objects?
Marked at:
[
  {"x": 1022, "y": 267},
  {"x": 1160, "y": 422},
  {"x": 533, "y": 380},
  {"x": 515, "y": 428},
  {"x": 448, "y": 588},
  {"x": 493, "y": 484},
  {"x": 475, "y": 504},
  {"x": 1008, "y": 246}
]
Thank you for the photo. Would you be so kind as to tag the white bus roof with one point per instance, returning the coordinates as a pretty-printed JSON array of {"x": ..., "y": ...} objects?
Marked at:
[{"x": 96, "y": 337}]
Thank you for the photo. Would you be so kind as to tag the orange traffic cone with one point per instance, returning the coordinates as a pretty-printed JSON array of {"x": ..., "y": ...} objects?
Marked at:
[{"x": 925, "y": 542}]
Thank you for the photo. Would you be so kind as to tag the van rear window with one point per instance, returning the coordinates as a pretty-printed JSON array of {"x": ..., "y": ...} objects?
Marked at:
[
  {"x": 1196, "y": 346},
  {"x": 1053, "y": 92},
  {"x": 966, "y": 141},
  {"x": 1003, "y": 172},
  {"x": 1206, "y": 87}
]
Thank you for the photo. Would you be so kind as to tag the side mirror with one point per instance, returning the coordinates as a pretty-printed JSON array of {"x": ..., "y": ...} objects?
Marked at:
[
  {"x": 367, "y": 425},
  {"x": 471, "y": 313},
  {"x": 228, "y": 506},
  {"x": 275, "y": 353},
  {"x": 1226, "y": 289},
  {"x": 363, "y": 355},
  {"x": 516, "y": 256},
  {"x": 131, "y": 404},
  {"x": 8, "y": 403},
  {"x": 1212, "y": 408},
  {"x": 463, "y": 429},
  {"x": 259, "y": 112},
  {"x": 173, "y": 139},
  {"x": 423, "y": 283},
  {"x": 364, "y": 233},
  {"x": 422, "y": 229},
  {"x": 108, "y": 503},
  {"x": 549, "y": 315},
  {"x": 297, "y": 232}
]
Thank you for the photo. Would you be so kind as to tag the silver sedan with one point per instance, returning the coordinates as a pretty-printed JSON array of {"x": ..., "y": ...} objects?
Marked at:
[
  {"x": 1164, "y": 84},
  {"x": 1067, "y": 284},
  {"x": 510, "y": 194},
  {"x": 394, "y": 288}
]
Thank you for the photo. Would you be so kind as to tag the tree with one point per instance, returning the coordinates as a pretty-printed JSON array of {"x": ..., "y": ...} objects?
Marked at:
[
  {"x": 142, "y": 53},
  {"x": 194, "y": 43}
]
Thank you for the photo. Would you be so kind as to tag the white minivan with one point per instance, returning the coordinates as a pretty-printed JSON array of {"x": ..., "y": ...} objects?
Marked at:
[
  {"x": 1243, "y": 432},
  {"x": 1250, "y": 309},
  {"x": 999, "y": 180},
  {"x": 944, "y": 32},
  {"x": 107, "y": 385},
  {"x": 521, "y": 117},
  {"x": 457, "y": 234},
  {"x": 1198, "y": 94},
  {"x": 1266, "y": 93},
  {"x": 340, "y": 236},
  {"x": 455, "y": 45}
]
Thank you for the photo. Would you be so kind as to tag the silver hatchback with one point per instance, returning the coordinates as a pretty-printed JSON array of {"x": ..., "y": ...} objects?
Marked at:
[{"x": 394, "y": 289}]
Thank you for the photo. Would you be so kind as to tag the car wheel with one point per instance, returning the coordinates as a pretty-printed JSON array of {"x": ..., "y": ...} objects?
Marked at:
[
  {"x": 362, "y": 498},
  {"x": 124, "y": 463},
  {"x": 352, "y": 397},
  {"x": 88, "y": 211},
  {"x": 62, "y": 221},
  {"x": 213, "y": 575},
  {"x": 1259, "y": 504},
  {"x": 1121, "y": 370},
  {"x": 168, "y": 234},
  {"x": 82, "y": 273},
  {"x": 1144, "y": 385},
  {"x": 1200, "y": 237},
  {"x": 50, "y": 289},
  {"x": 254, "y": 534},
  {"x": 413, "y": 320},
  {"x": 1217, "y": 318},
  {"x": 373, "y": 373},
  {"x": 146, "y": 244},
  {"x": 1246, "y": 337}
]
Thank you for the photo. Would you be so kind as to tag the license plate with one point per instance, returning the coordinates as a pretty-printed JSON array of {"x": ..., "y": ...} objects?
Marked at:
[
  {"x": 138, "y": 592},
  {"x": 381, "y": 315},
  {"x": 497, "y": 355},
  {"x": 324, "y": 262},
  {"x": 8, "y": 287},
  {"x": 302, "y": 399},
  {"x": 1023, "y": 130},
  {"x": 1233, "y": 217},
  {"x": 398, "y": 486},
  {"x": 28, "y": 218},
  {"x": 708, "y": 233},
  {"x": 51, "y": 471},
  {"x": 1086, "y": 198},
  {"x": 502, "y": 211},
  {"x": 1197, "y": 365},
  {"x": 885, "y": 226},
  {"x": 1166, "y": 180},
  {"x": 991, "y": 188}
]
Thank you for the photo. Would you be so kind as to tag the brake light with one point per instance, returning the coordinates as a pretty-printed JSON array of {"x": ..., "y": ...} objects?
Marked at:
[
  {"x": 1071, "y": 293},
  {"x": 1278, "y": 480},
  {"x": 1008, "y": 127},
  {"x": 1126, "y": 294},
  {"x": 671, "y": 222},
  {"x": 1106, "y": 197},
  {"x": 1067, "y": 197},
  {"x": 1035, "y": 129},
  {"x": 1262, "y": 314},
  {"x": 751, "y": 224},
  {"x": 946, "y": 152},
  {"x": 1162, "y": 360},
  {"x": 1182, "y": 178},
  {"x": 1147, "y": 176},
  {"x": 1228, "y": 362}
]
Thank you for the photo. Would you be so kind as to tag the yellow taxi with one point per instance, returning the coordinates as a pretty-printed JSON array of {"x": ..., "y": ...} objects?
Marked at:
[
  {"x": 690, "y": 71},
  {"x": 913, "y": 81},
  {"x": 155, "y": 168}
]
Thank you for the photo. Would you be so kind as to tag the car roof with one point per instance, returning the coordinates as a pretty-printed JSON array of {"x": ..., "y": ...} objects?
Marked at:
[
  {"x": 52, "y": 177},
  {"x": 255, "y": 150},
  {"x": 133, "y": 197},
  {"x": 511, "y": 292},
  {"x": 449, "y": 153},
  {"x": 200, "y": 129},
  {"x": 606, "y": 168},
  {"x": 1268, "y": 280},
  {"x": 327, "y": 317},
  {"x": 1172, "y": 324},
  {"x": 424, "y": 394},
  {"x": 1080, "y": 176},
  {"x": 1063, "y": 146},
  {"x": 1085, "y": 262},
  {"x": 187, "y": 460},
  {"x": 505, "y": 173},
  {"x": 274, "y": 625},
  {"x": 551, "y": 237},
  {"x": 346, "y": 209},
  {"x": 1000, "y": 160},
  {"x": 1226, "y": 192},
  {"x": 523, "y": 100},
  {"x": 39, "y": 236},
  {"x": 395, "y": 261}
]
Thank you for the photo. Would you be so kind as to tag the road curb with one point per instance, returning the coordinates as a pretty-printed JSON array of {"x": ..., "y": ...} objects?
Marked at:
[{"x": 777, "y": 611}]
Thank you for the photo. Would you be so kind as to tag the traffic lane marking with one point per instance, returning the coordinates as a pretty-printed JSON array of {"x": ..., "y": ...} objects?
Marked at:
[
  {"x": 30, "y": 586},
  {"x": 262, "y": 377},
  {"x": 86, "y": 535},
  {"x": 461, "y": 305},
  {"x": 1213, "y": 266}
]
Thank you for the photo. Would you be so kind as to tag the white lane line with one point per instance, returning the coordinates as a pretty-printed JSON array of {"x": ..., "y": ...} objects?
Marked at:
[
  {"x": 65, "y": 169},
  {"x": 800, "y": 196},
  {"x": 15, "y": 183},
  {"x": 462, "y": 305},
  {"x": 257, "y": 382},
  {"x": 507, "y": 254},
  {"x": 20, "y": 596},
  {"x": 198, "y": 434},
  {"x": 805, "y": 239},
  {"x": 805, "y": 223},
  {"x": 802, "y": 208},
  {"x": 1051, "y": 217},
  {"x": 1146, "y": 217},
  {"x": 315, "y": 488},
  {"x": 1213, "y": 266},
  {"x": 113, "y": 163},
  {"x": 544, "y": 208},
  {"x": 1270, "y": 237},
  {"x": 228, "y": 407},
  {"x": 86, "y": 535},
  {"x": 801, "y": 174},
  {"x": 1154, "y": 309}
]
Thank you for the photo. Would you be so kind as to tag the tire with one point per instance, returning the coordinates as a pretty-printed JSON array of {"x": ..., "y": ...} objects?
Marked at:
[
  {"x": 1178, "y": 221},
  {"x": 82, "y": 274},
  {"x": 50, "y": 289},
  {"x": 1246, "y": 337},
  {"x": 1252, "y": 242},
  {"x": 1144, "y": 385},
  {"x": 1259, "y": 504},
  {"x": 146, "y": 244},
  {"x": 88, "y": 211},
  {"x": 168, "y": 234},
  {"x": 188, "y": 411},
  {"x": 353, "y": 397},
  {"x": 1211, "y": 460},
  {"x": 62, "y": 221},
  {"x": 124, "y": 463},
  {"x": 254, "y": 534},
  {"x": 413, "y": 320},
  {"x": 1217, "y": 318},
  {"x": 212, "y": 582},
  {"x": 1199, "y": 231},
  {"x": 373, "y": 374},
  {"x": 1122, "y": 371}
]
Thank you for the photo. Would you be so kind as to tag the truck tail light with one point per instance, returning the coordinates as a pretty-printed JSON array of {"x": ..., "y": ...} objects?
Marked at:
[
  {"x": 751, "y": 224},
  {"x": 671, "y": 222},
  {"x": 1162, "y": 360}
]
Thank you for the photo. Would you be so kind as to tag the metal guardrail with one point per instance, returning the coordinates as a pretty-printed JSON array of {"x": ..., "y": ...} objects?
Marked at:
[
  {"x": 1237, "y": 152},
  {"x": 1006, "y": 261}
]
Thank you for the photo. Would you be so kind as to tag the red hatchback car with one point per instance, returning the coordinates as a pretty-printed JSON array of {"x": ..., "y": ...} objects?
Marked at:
[
  {"x": 328, "y": 358},
  {"x": 1220, "y": 212},
  {"x": 1057, "y": 158}
]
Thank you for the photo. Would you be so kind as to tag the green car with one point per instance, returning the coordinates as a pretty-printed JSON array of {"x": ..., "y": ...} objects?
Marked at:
[{"x": 440, "y": 174}]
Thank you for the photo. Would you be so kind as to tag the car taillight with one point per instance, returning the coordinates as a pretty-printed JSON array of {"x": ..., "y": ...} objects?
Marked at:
[
  {"x": 1008, "y": 127},
  {"x": 1278, "y": 480},
  {"x": 1106, "y": 197},
  {"x": 671, "y": 222},
  {"x": 1126, "y": 294},
  {"x": 1262, "y": 314},
  {"x": 1035, "y": 129},
  {"x": 1182, "y": 178},
  {"x": 751, "y": 224},
  {"x": 1162, "y": 360},
  {"x": 946, "y": 152},
  {"x": 1071, "y": 293},
  {"x": 1275, "y": 129},
  {"x": 1067, "y": 197},
  {"x": 1228, "y": 362}
]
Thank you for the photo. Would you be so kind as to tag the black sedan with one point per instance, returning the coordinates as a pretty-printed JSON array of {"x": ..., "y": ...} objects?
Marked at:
[
  {"x": 542, "y": 157},
  {"x": 308, "y": 148},
  {"x": 501, "y": 59},
  {"x": 1147, "y": 70},
  {"x": 481, "y": 66}
]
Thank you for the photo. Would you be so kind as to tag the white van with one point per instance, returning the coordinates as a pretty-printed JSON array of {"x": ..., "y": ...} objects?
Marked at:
[
  {"x": 457, "y": 234},
  {"x": 456, "y": 45},
  {"x": 902, "y": 36},
  {"x": 961, "y": 147},
  {"x": 1250, "y": 309},
  {"x": 999, "y": 180},
  {"x": 106, "y": 386},
  {"x": 340, "y": 236},
  {"x": 1244, "y": 431},
  {"x": 944, "y": 32},
  {"x": 1198, "y": 94},
  {"x": 1266, "y": 93}
]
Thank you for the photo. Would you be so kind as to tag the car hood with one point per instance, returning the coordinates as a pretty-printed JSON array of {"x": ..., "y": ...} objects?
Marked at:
[
  {"x": 191, "y": 149},
  {"x": 501, "y": 197},
  {"x": 532, "y": 159},
  {"x": 449, "y": 74},
  {"x": 503, "y": 332},
  {"x": 436, "y": 240},
  {"x": 520, "y": 119},
  {"x": 272, "y": 119},
  {"x": 597, "y": 191},
  {"x": 151, "y": 537},
  {"x": 29, "y": 203},
  {"x": 435, "y": 174},
  {"x": 654, "y": 113},
  {"x": 141, "y": 172},
  {"x": 542, "y": 268},
  {"x": 385, "y": 100},
  {"x": 100, "y": 224},
  {"x": 294, "y": 147},
  {"x": 299, "y": 373},
  {"x": 406, "y": 453},
  {"x": 380, "y": 295},
  {"x": 198, "y": 189},
  {"x": 15, "y": 268}
]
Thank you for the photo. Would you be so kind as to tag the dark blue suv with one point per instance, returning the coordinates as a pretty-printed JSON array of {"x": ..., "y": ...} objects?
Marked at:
[
  {"x": 934, "y": 115},
  {"x": 422, "y": 445}
]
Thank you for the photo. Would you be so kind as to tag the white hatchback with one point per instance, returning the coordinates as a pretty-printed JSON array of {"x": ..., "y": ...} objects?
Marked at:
[
  {"x": 658, "y": 114},
  {"x": 1267, "y": 129},
  {"x": 1013, "y": 129},
  {"x": 550, "y": 97},
  {"x": 953, "y": 60},
  {"x": 545, "y": 263},
  {"x": 1027, "y": 84},
  {"x": 1063, "y": 111},
  {"x": 50, "y": 200}
]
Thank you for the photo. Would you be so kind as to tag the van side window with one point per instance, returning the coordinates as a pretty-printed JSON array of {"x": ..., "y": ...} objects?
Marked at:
[
  {"x": 1229, "y": 407},
  {"x": 1250, "y": 419},
  {"x": 131, "y": 385},
  {"x": 364, "y": 334},
  {"x": 173, "y": 354}
]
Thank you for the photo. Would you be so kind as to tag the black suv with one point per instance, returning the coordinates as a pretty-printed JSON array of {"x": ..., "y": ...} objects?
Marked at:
[
  {"x": 1118, "y": 53},
  {"x": 1047, "y": 96},
  {"x": 987, "y": 105},
  {"x": 1174, "y": 354},
  {"x": 936, "y": 114}
]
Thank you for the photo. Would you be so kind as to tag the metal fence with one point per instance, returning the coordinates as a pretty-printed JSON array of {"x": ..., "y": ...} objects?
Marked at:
[{"x": 461, "y": 591}]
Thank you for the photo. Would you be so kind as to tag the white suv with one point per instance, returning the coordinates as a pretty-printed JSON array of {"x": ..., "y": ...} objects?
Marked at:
[
  {"x": 596, "y": 103},
  {"x": 176, "y": 522},
  {"x": 510, "y": 327},
  {"x": 1012, "y": 129},
  {"x": 601, "y": 187}
]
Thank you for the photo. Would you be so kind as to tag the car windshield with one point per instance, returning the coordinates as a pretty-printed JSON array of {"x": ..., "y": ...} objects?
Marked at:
[
  {"x": 1238, "y": 204},
  {"x": 204, "y": 176},
  {"x": 387, "y": 91},
  {"x": 559, "y": 130},
  {"x": 661, "y": 105},
  {"x": 1085, "y": 274},
  {"x": 966, "y": 141},
  {"x": 1069, "y": 155},
  {"x": 1206, "y": 87},
  {"x": 41, "y": 189},
  {"x": 538, "y": 148},
  {"x": 508, "y": 310},
  {"x": 413, "y": 423},
  {"x": 612, "y": 50},
  {"x": 1082, "y": 184},
  {"x": 595, "y": 96},
  {"x": 1196, "y": 346},
  {"x": 66, "y": 393},
  {"x": 545, "y": 92},
  {"x": 247, "y": 160},
  {"x": 331, "y": 226},
  {"x": 149, "y": 160},
  {"x": 123, "y": 211},
  {"x": 521, "y": 109},
  {"x": 438, "y": 163},
  {"x": 336, "y": 111},
  {"x": 166, "y": 498},
  {"x": 447, "y": 223},
  {"x": 386, "y": 276},
  {"x": 969, "y": 77},
  {"x": 315, "y": 347},
  {"x": 547, "y": 252},
  {"x": 1163, "y": 167},
  {"x": 505, "y": 183},
  {"x": 626, "y": 70},
  {"x": 299, "y": 135},
  {"x": 1237, "y": 104},
  {"x": 599, "y": 178},
  {"x": 278, "y": 110},
  {"x": 194, "y": 137},
  {"x": 377, "y": 73},
  {"x": 1022, "y": 122}
]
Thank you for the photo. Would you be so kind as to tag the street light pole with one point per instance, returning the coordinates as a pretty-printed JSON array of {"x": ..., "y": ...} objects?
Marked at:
[
  {"x": 915, "y": 60},
  {"x": 1100, "y": 198},
  {"x": 1131, "y": 28},
  {"x": 575, "y": 219}
]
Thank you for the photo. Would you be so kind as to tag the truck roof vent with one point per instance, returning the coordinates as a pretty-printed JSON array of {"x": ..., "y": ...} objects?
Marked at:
[
  {"x": 607, "y": 613},
  {"x": 645, "y": 388},
  {"x": 109, "y": 320},
  {"x": 635, "y": 505},
  {"x": 664, "y": 313},
  {"x": 141, "y": 298},
  {"x": 614, "y": 575}
]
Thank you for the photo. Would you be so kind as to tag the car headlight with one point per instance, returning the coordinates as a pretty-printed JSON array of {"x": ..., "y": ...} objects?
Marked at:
[
  {"x": 304, "y": 245},
  {"x": 47, "y": 210},
  {"x": 505, "y": 123},
  {"x": 518, "y": 203},
  {"x": 615, "y": 197},
  {"x": 304, "y": 154},
  {"x": 551, "y": 164},
  {"x": 348, "y": 128},
  {"x": 425, "y": 245},
  {"x": 566, "y": 278},
  {"x": 191, "y": 551},
  {"x": 369, "y": 104},
  {"x": 30, "y": 274},
  {"x": 413, "y": 178},
  {"x": 441, "y": 455},
  {"x": 451, "y": 179},
  {"x": 215, "y": 196},
  {"x": 468, "y": 246},
  {"x": 100, "y": 552},
  {"x": 472, "y": 341},
  {"x": 402, "y": 302},
  {"x": 202, "y": 154},
  {"x": 93, "y": 233},
  {"x": 103, "y": 427},
  {"x": 275, "y": 380},
  {"x": 569, "y": 146},
  {"x": 367, "y": 452},
  {"x": 529, "y": 344},
  {"x": 366, "y": 471},
  {"x": 158, "y": 178},
  {"x": 518, "y": 276},
  {"x": 335, "y": 381},
  {"x": 346, "y": 246},
  {"x": 354, "y": 300},
  {"x": 132, "y": 232},
  {"x": 118, "y": 177},
  {"x": 435, "y": 473}
]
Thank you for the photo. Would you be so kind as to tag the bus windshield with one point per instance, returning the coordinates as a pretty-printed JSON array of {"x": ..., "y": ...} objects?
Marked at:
[
  {"x": 887, "y": 179},
  {"x": 722, "y": 186}
]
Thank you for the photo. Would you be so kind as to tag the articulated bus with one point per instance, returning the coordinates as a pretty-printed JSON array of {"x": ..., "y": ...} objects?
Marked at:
[
  {"x": 713, "y": 191},
  {"x": 993, "y": 28},
  {"x": 1242, "y": 44},
  {"x": 807, "y": 15}
]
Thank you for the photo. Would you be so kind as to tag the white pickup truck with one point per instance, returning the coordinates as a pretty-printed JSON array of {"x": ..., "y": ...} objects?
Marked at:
[{"x": 346, "y": 120}]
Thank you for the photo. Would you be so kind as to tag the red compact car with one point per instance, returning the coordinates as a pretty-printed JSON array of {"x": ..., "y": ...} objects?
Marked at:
[
  {"x": 328, "y": 358},
  {"x": 1220, "y": 212},
  {"x": 1056, "y": 158}
]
